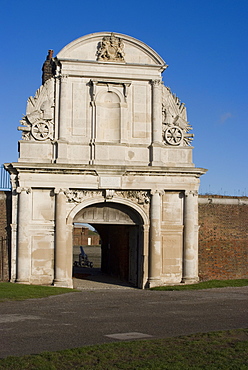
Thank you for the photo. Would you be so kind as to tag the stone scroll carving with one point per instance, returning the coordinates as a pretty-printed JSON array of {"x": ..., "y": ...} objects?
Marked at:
[
  {"x": 78, "y": 196},
  {"x": 175, "y": 126},
  {"x": 110, "y": 49},
  {"x": 38, "y": 123},
  {"x": 137, "y": 196}
]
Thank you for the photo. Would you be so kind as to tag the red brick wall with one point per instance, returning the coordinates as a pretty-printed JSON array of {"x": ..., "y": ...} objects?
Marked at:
[
  {"x": 4, "y": 199},
  {"x": 5, "y": 220},
  {"x": 223, "y": 238},
  {"x": 81, "y": 235}
]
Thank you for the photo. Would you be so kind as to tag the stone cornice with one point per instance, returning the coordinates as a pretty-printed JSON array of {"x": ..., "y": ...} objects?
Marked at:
[
  {"x": 98, "y": 170},
  {"x": 68, "y": 60}
]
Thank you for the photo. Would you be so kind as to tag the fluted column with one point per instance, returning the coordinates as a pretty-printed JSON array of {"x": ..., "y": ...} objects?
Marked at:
[
  {"x": 23, "y": 244},
  {"x": 190, "y": 256},
  {"x": 60, "y": 239},
  {"x": 155, "y": 240}
]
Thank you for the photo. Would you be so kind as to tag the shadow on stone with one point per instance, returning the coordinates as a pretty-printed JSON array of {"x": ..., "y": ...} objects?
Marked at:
[{"x": 94, "y": 278}]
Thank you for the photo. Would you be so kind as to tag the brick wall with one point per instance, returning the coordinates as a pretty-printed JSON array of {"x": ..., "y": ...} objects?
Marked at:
[
  {"x": 5, "y": 220},
  {"x": 223, "y": 237},
  {"x": 81, "y": 235}
]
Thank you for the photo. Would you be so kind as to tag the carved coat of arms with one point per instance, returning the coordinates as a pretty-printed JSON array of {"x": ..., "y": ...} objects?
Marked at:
[{"x": 110, "y": 49}]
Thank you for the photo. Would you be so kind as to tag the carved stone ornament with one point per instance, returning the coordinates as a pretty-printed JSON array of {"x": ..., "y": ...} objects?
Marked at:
[
  {"x": 173, "y": 135},
  {"x": 175, "y": 129},
  {"x": 79, "y": 196},
  {"x": 42, "y": 130},
  {"x": 140, "y": 197},
  {"x": 38, "y": 121},
  {"x": 110, "y": 49}
]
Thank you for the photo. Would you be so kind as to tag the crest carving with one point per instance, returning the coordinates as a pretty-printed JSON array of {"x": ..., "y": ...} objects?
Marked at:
[
  {"x": 38, "y": 122},
  {"x": 110, "y": 49}
]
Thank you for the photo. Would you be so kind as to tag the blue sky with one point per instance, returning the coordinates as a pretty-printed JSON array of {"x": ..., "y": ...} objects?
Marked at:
[{"x": 203, "y": 42}]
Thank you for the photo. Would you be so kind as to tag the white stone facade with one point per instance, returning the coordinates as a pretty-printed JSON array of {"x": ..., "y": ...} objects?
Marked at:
[{"x": 104, "y": 141}]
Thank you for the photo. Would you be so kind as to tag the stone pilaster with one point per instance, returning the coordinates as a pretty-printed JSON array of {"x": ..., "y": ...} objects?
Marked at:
[
  {"x": 63, "y": 123},
  {"x": 156, "y": 111},
  {"x": 63, "y": 108},
  {"x": 155, "y": 263},
  {"x": 190, "y": 255},
  {"x": 23, "y": 242},
  {"x": 156, "y": 122}
]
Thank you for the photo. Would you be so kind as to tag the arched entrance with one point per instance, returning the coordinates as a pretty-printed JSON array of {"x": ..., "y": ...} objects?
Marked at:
[{"x": 121, "y": 230}]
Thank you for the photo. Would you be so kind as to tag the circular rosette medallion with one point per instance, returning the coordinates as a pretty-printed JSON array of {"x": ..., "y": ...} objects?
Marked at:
[
  {"x": 41, "y": 130},
  {"x": 173, "y": 135}
]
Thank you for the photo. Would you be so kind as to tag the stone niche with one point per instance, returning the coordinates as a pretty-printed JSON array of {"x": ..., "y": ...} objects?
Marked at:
[{"x": 104, "y": 134}]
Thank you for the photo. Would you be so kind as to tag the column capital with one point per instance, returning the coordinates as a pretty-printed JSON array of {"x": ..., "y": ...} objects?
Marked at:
[
  {"x": 63, "y": 78},
  {"x": 59, "y": 190},
  {"x": 157, "y": 191},
  {"x": 22, "y": 189},
  {"x": 156, "y": 83},
  {"x": 191, "y": 192}
]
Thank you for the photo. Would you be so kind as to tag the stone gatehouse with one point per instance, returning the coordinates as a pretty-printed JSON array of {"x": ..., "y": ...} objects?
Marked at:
[{"x": 105, "y": 142}]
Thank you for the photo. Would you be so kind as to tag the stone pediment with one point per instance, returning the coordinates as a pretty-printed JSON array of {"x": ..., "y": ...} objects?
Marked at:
[{"x": 111, "y": 47}]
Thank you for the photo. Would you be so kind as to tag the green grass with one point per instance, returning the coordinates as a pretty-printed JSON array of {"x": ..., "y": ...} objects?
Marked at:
[
  {"x": 18, "y": 292},
  {"x": 205, "y": 285},
  {"x": 227, "y": 350}
]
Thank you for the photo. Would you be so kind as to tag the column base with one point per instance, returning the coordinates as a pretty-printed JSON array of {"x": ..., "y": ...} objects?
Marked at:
[
  {"x": 62, "y": 156},
  {"x": 190, "y": 280},
  {"x": 155, "y": 152},
  {"x": 63, "y": 283},
  {"x": 153, "y": 282},
  {"x": 20, "y": 281}
]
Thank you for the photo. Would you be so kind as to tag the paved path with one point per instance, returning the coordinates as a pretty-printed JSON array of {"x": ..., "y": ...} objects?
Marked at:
[
  {"x": 98, "y": 315},
  {"x": 94, "y": 279}
]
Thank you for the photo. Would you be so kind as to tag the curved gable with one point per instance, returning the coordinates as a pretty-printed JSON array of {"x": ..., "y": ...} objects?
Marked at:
[{"x": 87, "y": 48}]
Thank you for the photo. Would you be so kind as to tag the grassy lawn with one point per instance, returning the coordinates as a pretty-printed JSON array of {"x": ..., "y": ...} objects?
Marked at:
[
  {"x": 217, "y": 350},
  {"x": 206, "y": 285},
  {"x": 18, "y": 292}
]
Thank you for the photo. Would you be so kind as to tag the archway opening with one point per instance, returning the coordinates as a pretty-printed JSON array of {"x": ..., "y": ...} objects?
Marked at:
[
  {"x": 86, "y": 239},
  {"x": 120, "y": 234}
]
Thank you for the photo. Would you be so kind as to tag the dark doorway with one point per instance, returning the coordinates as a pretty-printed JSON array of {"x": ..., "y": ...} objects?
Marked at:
[
  {"x": 121, "y": 235},
  {"x": 120, "y": 251}
]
